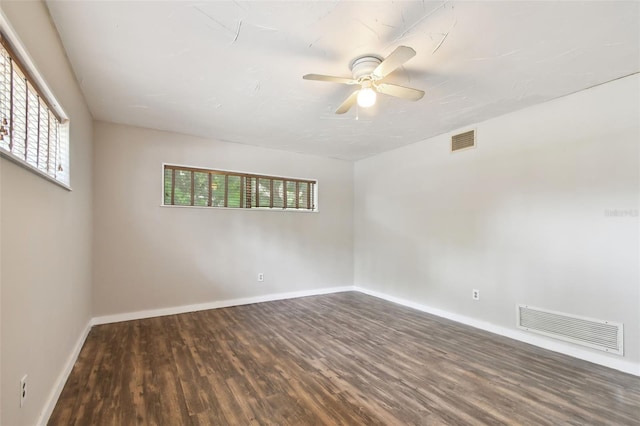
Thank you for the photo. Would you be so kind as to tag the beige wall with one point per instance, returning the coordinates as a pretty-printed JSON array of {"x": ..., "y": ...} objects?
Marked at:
[
  {"x": 46, "y": 231},
  {"x": 522, "y": 217},
  {"x": 150, "y": 257}
]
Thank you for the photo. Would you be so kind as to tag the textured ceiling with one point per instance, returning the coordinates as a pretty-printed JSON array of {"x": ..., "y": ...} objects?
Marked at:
[{"x": 233, "y": 70}]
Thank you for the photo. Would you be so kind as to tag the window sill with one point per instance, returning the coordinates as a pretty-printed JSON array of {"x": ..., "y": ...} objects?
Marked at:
[
  {"x": 262, "y": 209},
  {"x": 29, "y": 167}
]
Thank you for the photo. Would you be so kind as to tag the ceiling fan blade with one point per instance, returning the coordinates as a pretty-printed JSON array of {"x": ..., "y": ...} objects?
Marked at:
[
  {"x": 398, "y": 57},
  {"x": 400, "y": 91},
  {"x": 348, "y": 103},
  {"x": 329, "y": 78}
]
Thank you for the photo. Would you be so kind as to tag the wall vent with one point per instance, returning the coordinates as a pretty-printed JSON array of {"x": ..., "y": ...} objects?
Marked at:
[
  {"x": 597, "y": 334},
  {"x": 464, "y": 140}
]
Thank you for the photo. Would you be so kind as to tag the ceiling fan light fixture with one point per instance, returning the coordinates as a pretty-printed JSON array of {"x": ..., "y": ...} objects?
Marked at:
[
  {"x": 369, "y": 72},
  {"x": 366, "y": 97}
]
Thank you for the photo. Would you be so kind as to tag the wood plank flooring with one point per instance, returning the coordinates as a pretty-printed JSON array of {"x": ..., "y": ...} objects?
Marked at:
[{"x": 345, "y": 358}]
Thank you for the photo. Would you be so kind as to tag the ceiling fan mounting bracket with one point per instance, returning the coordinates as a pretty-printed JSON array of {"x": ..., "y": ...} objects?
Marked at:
[{"x": 364, "y": 65}]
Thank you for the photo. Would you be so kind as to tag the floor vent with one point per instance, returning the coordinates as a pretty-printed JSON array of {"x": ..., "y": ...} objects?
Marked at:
[
  {"x": 597, "y": 334},
  {"x": 464, "y": 140}
]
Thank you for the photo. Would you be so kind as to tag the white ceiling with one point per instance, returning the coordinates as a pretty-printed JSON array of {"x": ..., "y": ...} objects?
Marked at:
[{"x": 232, "y": 70}]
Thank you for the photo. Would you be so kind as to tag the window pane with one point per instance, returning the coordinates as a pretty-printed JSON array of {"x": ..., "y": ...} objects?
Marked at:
[
  {"x": 43, "y": 141},
  {"x": 54, "y": 139},
  {"x": 265, "y": 192},
  {"x": 278, "y": 193},
  {"x": 291, "y": 195},
  {"x": 5, "y": 93},
  {"x": 235, "y": 183},
  {"x": 201, "y": 189},
  {"x": 19, "y": 115},
  {"x": 248, "y": 189},
  {"x": 32, "y": 126},
  {"x": 254, "y": 202},
  {"x": 182, "y": 196},
  {"x": 167, "y": 186},
  {"x": 217, "y": 190},
  {"x": 302, "y": 195}
]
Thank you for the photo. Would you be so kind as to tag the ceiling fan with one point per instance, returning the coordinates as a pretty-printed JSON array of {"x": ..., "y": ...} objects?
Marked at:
[{"x": 368, "y": 72}]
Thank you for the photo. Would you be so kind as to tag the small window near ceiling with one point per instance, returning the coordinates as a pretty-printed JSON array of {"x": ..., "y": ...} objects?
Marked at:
[
  {"x": 188, "y": 186},
  {"x": 33, "y": 133}
]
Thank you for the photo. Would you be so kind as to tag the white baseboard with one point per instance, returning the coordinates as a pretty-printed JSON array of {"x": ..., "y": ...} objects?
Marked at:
[
  {"x": 107, "y": 319},
  {"x": 552, "y": 345},
  {"x": 52, "y": 400}
]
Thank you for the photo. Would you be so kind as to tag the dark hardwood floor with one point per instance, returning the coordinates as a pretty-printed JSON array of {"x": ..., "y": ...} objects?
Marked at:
[{"x": 344, "y": 358}]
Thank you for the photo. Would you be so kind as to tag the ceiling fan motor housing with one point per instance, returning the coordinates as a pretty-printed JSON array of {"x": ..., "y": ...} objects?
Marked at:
[{"x": 364, "y": 65}]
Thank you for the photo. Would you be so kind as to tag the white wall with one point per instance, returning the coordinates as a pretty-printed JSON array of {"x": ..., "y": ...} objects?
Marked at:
[
  {"x": 46, "y": 230},
  {"x": 522, "y": 217},
  {"x": 150, "y": 257}
]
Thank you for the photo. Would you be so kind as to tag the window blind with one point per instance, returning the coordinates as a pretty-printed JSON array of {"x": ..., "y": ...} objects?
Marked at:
[
  {"x": 31, "y": 131},
  {"x": 188, "y": 186}
]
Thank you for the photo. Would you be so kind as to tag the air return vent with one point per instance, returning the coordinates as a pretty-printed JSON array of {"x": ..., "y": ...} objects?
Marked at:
[
  {"x": 464, "y": 140},
  {"x": 597, "y": 334}
]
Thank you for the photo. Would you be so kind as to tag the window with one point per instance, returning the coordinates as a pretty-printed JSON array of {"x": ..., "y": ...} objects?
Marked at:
[
  {"x": 188, "y": 186},
  {"x": 32, "y": 132}
]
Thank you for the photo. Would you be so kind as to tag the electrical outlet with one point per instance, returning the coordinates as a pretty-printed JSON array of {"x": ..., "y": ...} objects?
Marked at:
[
  {"x": 23, "y": 390},
  {"x": 475, "y": 294},
  {"x": 260, "y": 276}
]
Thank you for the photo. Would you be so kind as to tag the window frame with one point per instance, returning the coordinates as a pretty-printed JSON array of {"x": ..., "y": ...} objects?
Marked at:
[
  {"x": 313, "y": 200},
  {"x": 10, "y": 42}
]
